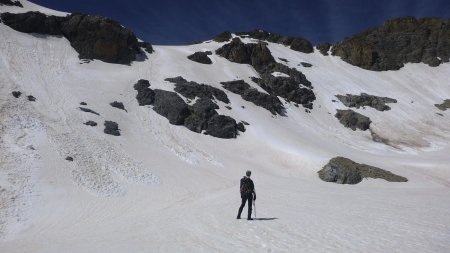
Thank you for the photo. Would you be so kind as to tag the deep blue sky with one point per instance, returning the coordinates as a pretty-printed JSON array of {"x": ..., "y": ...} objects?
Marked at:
[{"x": 183, "y": 22}]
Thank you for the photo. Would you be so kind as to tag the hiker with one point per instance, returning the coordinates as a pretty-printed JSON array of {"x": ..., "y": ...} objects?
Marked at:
[{"x": 247, "y": 194}]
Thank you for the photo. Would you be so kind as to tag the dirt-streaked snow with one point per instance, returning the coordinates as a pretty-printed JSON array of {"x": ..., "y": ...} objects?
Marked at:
[{"x": 163, "y": 188}]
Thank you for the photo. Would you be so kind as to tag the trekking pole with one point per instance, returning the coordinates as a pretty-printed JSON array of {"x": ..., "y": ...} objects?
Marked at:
[{"x": 254, "y": 207}]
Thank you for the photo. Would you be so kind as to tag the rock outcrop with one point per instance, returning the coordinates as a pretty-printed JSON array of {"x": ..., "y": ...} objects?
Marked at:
[
  {"x": 379, "y": 103},
  {"x": 11, "y": 3},
  {"x": 192, "y": 89},
  {"x": 201, "y": 57},
  {"x": 145, "y": 96},
  {"x": 111, "y": 128},
  {"x": 93, "y": 37},
  {"x": 16, "y": 94},
  {"x": 345, "y": 171},
  {"x": 84, "y": 109},
  {"x": 223, "y": 37},
  {"x": 353, "y": 120},
  {"x": 295, "y": 43},
  {"x": 260, "y": 58},
  {"x": 171, "y": 106},
  {"x": 266, "y": 101},
  {"x": 199, "y": 117},
  {"x": 444, "y": 105},
  {"x": 91, "y": 123},
  {"x": 324, "y": 48},
  {"x": 118, "y": 105},
  {"x": 397, "y": 42}
]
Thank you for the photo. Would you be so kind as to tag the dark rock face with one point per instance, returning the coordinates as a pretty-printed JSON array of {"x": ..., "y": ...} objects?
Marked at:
[
  {"x": 16, "y": 94},
  {"x": 259, "y": 56},
  {"x": 93, "y": 37},
  {"x": 200, "y": 57},
  {"x": 353, "y": 120},
  {"x": 91, "y": 123},
  {"x": 241, "y": 127},
  {"x": 118, "y": 105},
  {"x": 306, "y": 65},
  {"x": 31, "y": 98},
  {"x": 33, "y": 22},
  {"x": 111, "y": 128},
  {"x": 397, "y": 42},
  {"x": 223, "y": 37},
  {"x": 192, "y": 89},
  {"x": 171, "y": 106},
  {"x": 444, "y": 106},
  {"x": 345, "y": 171},
  {"x": 201, "y": 112},
  {"x": 222, "y": 126},
  {"x": 69, "y": 158},
  {"x": 146, "y": 46},
  {"x": 266, "y": 101},
  {"x": 295, "y": 43},
  {"x": 83, "y": 103},
  {"x": 379, "y": 103},
  {"x": 11, "y": 3},
  {"x": 145, "y": 96},
  {"x": 324, "y": 48},
  {"x": 88, "y": 110}
]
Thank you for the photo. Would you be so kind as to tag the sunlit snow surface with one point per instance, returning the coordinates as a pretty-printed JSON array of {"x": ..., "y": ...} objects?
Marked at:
[{"x": 163, "y": 188}]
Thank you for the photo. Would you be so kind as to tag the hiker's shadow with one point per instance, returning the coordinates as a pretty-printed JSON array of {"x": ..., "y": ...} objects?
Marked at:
[{"x": 265, "y": 218}]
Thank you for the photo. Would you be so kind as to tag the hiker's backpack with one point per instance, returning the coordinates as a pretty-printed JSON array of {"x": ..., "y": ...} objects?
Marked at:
[{"x": 246, "y": 185}]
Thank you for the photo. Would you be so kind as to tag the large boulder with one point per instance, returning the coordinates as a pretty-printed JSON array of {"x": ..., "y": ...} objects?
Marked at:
[
  {"x": 202, "y": 110},
  {"x": 324, "y": 48},
  {"x": 191, "y": 89},
  {"x": 11, "y": 3},
  {"x": 444, "y": 105},
  {"x": 33, "y": 22},
  {"x": 379, "y": 103},
  {"x": 397, "y": 42},
  {"x": 111, "y": 128},
  {"x": 145, "y": 96},
  {"x": 200, "y": 57},
  {"x": 266, "y": 101},
  {"x": 353, "y": 120},
  {"x": 222, "y": 126},
  {"x": 93, "y": 37},
  {"x": 342, "y": 170},
  {"x": 170, "y": 105}
]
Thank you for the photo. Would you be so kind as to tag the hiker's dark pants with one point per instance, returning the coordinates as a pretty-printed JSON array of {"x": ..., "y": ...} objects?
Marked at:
[{"x": 246, "y": 197}]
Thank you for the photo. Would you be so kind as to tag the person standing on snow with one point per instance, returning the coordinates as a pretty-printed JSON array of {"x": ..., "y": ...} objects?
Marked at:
[{"x": 247, "y": 194}]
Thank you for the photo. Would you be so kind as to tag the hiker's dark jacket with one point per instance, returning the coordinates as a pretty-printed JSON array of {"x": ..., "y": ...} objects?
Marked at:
[{"x": 247, "y": 186}]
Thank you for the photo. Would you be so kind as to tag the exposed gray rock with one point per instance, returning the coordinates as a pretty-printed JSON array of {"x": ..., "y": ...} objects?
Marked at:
[
  {"x": 201, "y": 112},
  {"x": 83, "y": 103},
  {"x": 118, "y": 105},
  {"x": 111, "y": 128},
  {"x": 91, "y": 123},
  {"x": 11, "y": 3},
  {"x": 192, "y": 89},
  {"x": 295, "y": 43},
  {"x": 145, "y": 96},
  {"x": 88, "y": 110},
  {"x": 223, "y": 37},
  {"x": 222, "y": 126},
  {"x": 444, "y": 106},
  {"x": 259, "y": 56},
  {"x": 93, "y": 37},
  {"x": 266, "y": 101},
  {"x": 16, "y": 94},
  {"x": 31, "y": 98},
  {"x": 345, "y": 171},
  {"x": 379, "y": 103},
  {"x": 324, "y": 48},
  {"x": 306, "y": 65},
  {"x": 146, "y": 46},
  {"x": 240, "y": 127},
  {"x": 69, "y": 158},
  {"x": 397, "y": 42},
  {"x": 353, "y": 120},
  {"x": 283, "y": 60},
  {"x": 200, "y": 57},
  {"x": 170, "y": 105}
]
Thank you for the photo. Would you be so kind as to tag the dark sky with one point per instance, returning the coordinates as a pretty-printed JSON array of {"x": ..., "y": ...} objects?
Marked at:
[{"x": 185, "y": 21}]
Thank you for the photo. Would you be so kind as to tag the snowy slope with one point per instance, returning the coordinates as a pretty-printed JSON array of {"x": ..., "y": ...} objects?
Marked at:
[{"x": 162, "y": 188}]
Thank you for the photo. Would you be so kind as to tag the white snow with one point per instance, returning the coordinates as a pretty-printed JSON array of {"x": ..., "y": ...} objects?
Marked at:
[
  {"x": 163, "y": 188},
  {"x": 279, "y": 74}
]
